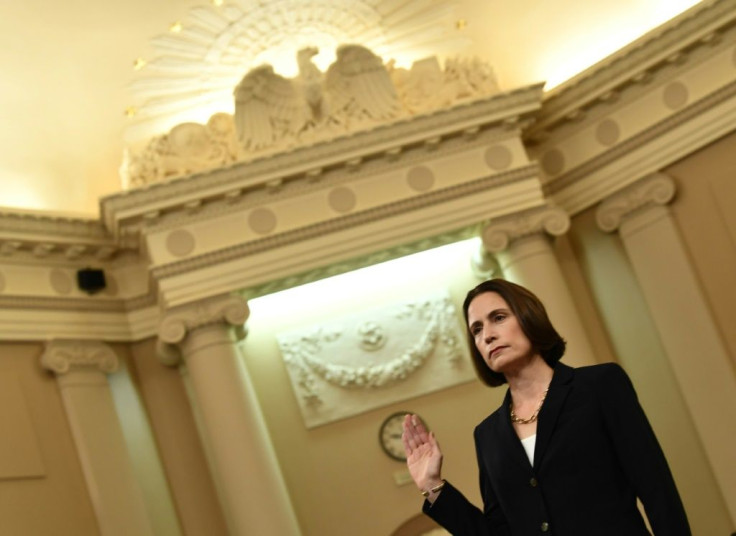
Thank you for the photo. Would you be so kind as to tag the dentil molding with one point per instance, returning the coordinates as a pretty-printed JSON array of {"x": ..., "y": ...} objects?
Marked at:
[
  {"x": 656, "y": 189},
  {"x": 498, "y": 234},
  {"x": 62, "y": 356}
]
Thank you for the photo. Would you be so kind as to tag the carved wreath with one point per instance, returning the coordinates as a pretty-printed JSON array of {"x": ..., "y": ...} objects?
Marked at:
[{"x": 299, "y": 353}]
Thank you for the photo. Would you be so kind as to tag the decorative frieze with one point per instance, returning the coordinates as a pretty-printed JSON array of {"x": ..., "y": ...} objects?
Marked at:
[
  {"x": 498, "y": 234},
  {"x": 62, "y": 356},
  {"x": 656, "y": 189}
]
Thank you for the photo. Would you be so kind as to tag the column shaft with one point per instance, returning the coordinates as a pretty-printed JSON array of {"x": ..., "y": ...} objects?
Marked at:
[
  {"x": 116, "y": 497},
  {"x": 249, "y": 480}
]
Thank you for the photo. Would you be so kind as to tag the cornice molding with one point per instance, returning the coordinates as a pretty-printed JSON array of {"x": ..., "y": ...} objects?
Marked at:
[
  {"x": 635, "y": 64},
  {"x": 26, "y": 236},
  {"x": 62, "y": 357},
  {"x": 498, "y": 234},
  {"x": 656, "y": 189},
  {"x": 346, "y": 222},
  {"x": 238, "y": 201},
  {"x": 306, "y": 163}
]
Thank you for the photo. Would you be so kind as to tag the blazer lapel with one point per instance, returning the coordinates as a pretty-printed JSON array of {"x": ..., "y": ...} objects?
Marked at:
[
  {"x": 558, "y": 391},
  {"x": 511, "y": 442}
]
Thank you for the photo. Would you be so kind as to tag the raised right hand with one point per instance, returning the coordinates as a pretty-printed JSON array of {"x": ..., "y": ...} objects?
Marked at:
[{"x": 423, "y": 454}]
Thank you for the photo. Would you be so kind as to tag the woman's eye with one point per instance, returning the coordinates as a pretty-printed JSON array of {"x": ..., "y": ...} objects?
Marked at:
[{"x": 499, "y": 317}]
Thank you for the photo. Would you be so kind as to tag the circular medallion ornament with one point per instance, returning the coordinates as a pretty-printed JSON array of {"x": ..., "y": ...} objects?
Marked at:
[
  {"x": 262, "y": 220},
  {"x": 60, "y": 281},
  {"x": 180, "y": 243},
  {"x": 341, "y": 199},
  {"x": 420, "y": 178},
  {"x": 498, "y": 157},
  {"x": 675, "y": 95},
  {"x": 553, "y": 162}
]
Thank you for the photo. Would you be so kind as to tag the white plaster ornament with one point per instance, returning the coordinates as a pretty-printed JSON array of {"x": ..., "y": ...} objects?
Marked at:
[{"x": 372, "y": 358}]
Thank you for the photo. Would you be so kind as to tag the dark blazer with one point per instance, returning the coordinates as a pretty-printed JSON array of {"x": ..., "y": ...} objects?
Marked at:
[{"x": 595, "y": 454}]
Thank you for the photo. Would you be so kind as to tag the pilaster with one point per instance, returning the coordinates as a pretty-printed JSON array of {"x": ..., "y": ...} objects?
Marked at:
[
  {"x": 80, "y": 368},
  {"x": 682, "y": 315}
]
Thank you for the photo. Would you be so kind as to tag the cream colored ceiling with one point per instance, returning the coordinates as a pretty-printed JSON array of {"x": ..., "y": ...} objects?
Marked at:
[{"x": 68, "y": 68}]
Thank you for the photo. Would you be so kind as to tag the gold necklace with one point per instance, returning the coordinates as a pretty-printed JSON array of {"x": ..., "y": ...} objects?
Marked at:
[{"x": 519, "y": 420}]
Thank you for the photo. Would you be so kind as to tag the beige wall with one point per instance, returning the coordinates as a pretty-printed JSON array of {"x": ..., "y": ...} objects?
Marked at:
[
  {"x": 42, "y": 489},
  {"x": 705, "y": 213}
]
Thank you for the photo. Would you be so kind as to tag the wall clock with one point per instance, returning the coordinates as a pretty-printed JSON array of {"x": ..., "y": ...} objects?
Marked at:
[{"x": 389, "y": 436}]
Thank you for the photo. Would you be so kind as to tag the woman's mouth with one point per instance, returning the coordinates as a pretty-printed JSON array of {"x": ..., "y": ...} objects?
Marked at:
[{"x": 495, "y": 351}]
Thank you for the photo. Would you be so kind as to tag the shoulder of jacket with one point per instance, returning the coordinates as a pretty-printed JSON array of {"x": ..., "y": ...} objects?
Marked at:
[
  {"x": 489, "y": 421},
  {"x": 601, "y": 375}
]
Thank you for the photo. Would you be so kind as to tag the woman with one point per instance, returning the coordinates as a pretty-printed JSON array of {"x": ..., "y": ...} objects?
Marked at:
[{"x": 568, "y": 452}]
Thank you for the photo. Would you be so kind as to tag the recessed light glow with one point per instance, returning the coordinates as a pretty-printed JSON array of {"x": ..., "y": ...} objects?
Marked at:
[{"x": 372, "y": 285}]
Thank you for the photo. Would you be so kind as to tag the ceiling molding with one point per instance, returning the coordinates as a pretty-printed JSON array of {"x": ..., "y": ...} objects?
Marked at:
[{"x": 701, "y": 27}]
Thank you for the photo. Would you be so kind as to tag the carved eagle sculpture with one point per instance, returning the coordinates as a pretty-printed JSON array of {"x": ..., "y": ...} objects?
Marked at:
[
  {"x": 358, "y": 86},
  {"x": 268, "y": 107}
]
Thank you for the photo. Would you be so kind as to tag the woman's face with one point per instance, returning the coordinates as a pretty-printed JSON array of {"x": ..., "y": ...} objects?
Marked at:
[{"x": 497, "y": 333}]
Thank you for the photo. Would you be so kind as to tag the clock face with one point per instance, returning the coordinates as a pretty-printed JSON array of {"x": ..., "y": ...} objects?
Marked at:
[{"x": 389, "y": 436}]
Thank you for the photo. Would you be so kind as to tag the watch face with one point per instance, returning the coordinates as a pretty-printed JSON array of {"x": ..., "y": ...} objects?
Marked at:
[{"x": 390, "y": 436}]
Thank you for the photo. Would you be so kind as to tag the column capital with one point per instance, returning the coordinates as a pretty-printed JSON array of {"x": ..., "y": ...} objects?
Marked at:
[
  {"x": 498, "y": 234},
  {"x": 62, "y": 356},
  {"x": 654, "y": 189},
  {"x": 177, "y": 322}
]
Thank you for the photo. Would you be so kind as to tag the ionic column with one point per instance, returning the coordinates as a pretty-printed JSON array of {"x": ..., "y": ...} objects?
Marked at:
[
  {"x": 81, "y": 368},
  {"x": 252, "y": 490},
  {"x": 522, "y": 245},
  {"x": 682, "y": 316}
]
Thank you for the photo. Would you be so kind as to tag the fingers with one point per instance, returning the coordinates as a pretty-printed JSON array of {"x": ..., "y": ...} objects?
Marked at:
[{"x": 415, "y": 433}]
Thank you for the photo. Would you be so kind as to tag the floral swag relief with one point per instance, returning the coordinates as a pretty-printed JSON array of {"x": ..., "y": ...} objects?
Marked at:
[
  {"x": 273, "y": 113},
  {"x": 373, "y": 350}
]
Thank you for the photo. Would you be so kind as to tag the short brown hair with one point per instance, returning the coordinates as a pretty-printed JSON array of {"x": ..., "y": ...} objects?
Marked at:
[{"x": 533, "y": 319}]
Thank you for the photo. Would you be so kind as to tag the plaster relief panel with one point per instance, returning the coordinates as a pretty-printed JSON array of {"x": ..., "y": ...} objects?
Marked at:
[{"x": 376, "y": 357}]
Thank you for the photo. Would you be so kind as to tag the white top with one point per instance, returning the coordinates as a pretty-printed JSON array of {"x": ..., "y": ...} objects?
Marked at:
[{"x": 528, "y": 443}]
